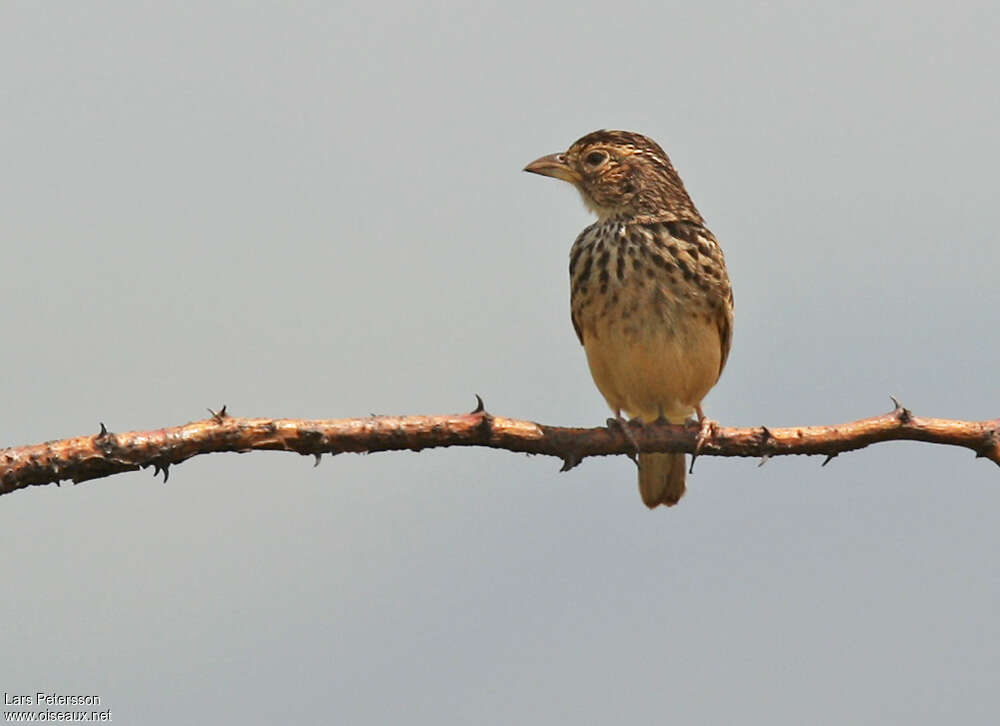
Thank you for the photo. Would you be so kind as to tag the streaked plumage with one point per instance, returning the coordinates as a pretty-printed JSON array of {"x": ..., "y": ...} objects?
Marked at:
[{"x": 650, "y": 296}]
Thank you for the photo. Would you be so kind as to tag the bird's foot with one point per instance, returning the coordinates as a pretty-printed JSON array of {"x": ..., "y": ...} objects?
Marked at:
[
  {"x": 625, "y": 427},
  {"x": 706, "y": 430}
]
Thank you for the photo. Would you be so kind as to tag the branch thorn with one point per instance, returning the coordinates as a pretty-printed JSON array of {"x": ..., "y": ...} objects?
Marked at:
[
  {"x": 903, "y": 414},
  {"x": 828, "y": 459},
  {"x": 319, "y": 458},
  {"x": 480, "y": 406},
  {"x": 220, "y": 414},
  {"x": 570, "y": 461}
]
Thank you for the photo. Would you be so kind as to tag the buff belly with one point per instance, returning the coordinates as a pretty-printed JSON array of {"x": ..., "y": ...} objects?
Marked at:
[{"x": 652, "y": 367}]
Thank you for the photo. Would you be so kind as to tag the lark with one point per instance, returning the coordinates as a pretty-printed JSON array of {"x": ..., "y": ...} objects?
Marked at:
[{"x": 650, "y": 296}]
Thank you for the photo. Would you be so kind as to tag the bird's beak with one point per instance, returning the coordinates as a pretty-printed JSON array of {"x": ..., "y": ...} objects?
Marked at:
[{"x": 554, "y": 165}]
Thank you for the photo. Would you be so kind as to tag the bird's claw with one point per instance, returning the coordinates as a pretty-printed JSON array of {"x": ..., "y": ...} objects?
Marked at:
[
  {"x": 624, "y": 426},
  {"x": 706, "y": 430}
]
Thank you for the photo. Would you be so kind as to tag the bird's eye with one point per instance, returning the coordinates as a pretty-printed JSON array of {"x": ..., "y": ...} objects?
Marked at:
[{"x": 595, "y": 158}]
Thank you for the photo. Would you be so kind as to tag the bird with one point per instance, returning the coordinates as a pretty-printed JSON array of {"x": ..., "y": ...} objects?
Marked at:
[{"x": 650, "y": 300}]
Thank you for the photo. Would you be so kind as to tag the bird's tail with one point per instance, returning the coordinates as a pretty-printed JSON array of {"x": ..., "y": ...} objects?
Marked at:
[{"x": 661, "y": 479}]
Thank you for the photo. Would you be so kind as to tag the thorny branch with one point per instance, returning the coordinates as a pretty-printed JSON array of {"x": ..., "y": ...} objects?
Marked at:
[{"x": 106, "y": 453}]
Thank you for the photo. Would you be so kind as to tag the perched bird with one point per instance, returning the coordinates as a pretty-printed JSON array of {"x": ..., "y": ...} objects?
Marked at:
[{"x": 650, "y": 298}]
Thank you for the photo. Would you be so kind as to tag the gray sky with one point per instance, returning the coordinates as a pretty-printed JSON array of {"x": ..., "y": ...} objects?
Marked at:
[{"x": 319, "y": 211}]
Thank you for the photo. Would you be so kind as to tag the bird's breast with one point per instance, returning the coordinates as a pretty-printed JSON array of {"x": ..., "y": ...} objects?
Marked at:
[
  {"x": 642, "y": 279},
  {"x": 646, "y": 301}
]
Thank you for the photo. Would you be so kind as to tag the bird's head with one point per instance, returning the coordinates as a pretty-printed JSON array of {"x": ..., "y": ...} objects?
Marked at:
[{"x": 621, "y": 174}]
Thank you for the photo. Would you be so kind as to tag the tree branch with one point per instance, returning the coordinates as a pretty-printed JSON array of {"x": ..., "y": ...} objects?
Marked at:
[{"x": 106, "y": 453}]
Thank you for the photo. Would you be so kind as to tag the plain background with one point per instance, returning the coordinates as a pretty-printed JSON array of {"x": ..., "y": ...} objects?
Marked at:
[{"x": 318, "y": 210}]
